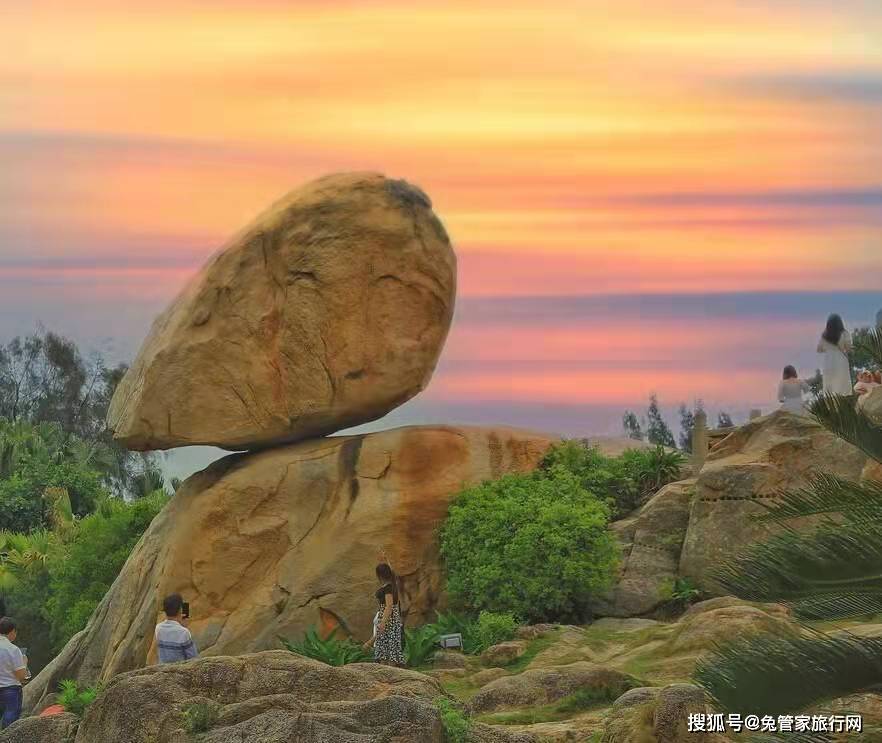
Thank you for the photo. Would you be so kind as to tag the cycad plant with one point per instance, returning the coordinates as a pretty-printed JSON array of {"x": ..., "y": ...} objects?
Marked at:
[{"x": 831, "y": 572}]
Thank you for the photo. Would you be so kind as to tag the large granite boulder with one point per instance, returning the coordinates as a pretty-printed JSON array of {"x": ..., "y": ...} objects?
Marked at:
[
  {"x": 329, "y": 310},
  {"x": 53, "y": 729},
  {"x": 539, "y": 686},
  {"x": 651, "y": 544},
  {"x": 273, "y": 542},
  {"x": 751, "y": 468},
  {"x": 272, "y": 697}
]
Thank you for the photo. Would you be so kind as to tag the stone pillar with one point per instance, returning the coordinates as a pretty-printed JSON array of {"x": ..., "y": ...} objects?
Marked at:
[{"x": 700, "y": 440}]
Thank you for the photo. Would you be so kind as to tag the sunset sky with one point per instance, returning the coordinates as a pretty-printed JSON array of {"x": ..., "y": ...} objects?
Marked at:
[{"x": 643, "y": 195}]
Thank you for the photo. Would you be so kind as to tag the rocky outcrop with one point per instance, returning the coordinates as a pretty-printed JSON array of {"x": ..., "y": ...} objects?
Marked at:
[
  {"x": 270, "y": 543},
  {"x": 872, "y": 406},
  {"x": 272, "y": 697},
  {"x": 657, "y": 715},
  {"x": 751, "y": 468},
  {"x": 329, "y": 310},
  {"x": 504, "y": 653},
  {"x": 651, "y": 544},
  {"x": 544, "y": 685},
  {"x": 55, "y": 729}
]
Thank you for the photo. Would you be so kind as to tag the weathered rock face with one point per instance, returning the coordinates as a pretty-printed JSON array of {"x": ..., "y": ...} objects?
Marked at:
[
  {"x": 541, "y": 686},
  {"x": 752, "y": 466},
  {"x": 651, "y": 544},
  {"x": 270, "y": 543},
  {"x": 56, "y": 729},
  {"x": 272, "y": 697},
  {"x": 328, "y": 311},
  {"x": 872, "y": 405}
]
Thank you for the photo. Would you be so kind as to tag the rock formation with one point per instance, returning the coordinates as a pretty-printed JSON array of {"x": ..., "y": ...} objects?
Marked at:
[
  {"x": 272, "y": 697},
  {"x": 272, "y": 542},
  {"x": 328, "y": 311},
  {"x": 750, "y": 467}
]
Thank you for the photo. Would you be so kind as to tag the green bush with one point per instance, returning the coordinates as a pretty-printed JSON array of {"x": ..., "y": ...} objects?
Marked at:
[
  {"x": 493, "y": 628},
  {"x": 536, "y": 545},
  {"x": 623, "y": 482},
  {"x": 82, "y": 569},
  {"x": 199, "y": 717},
  {"x": 420, "y": 645},
  {"x": 456, "y": 725},
  {"x": 459, "y": 624},
  {"x": 73, "y": 699},
  {"x": 332, "y": 651}
]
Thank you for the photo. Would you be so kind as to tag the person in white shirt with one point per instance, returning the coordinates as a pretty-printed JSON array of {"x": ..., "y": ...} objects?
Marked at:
[
  {"x": 790, "y": 392},
  {"x": 174, "y": 643},
  {"x": 835, "y": 344},
  {"x": 13, "y": 672}
]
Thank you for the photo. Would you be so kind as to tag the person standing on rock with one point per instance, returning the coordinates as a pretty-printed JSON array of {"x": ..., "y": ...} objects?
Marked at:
[
  {"x": 13, "y": 672},
  {"x": 174, "y": 643},
  {"x": 387, "y": 639},
  {"x": 835, "y": 344}
]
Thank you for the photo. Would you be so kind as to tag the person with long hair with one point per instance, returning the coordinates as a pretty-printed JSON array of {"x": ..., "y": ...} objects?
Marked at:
[
  {"x": 387, "y": 637},
  {"x": 835, "y": 344},
  {"x": 790, "y": 391}
]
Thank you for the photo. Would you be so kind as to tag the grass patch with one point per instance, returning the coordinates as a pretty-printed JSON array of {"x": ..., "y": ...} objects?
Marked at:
[
  {"x": 199, "y": 717},
  {"x": 456, "y": 724},
  {"x": 461, "y": 688},
  {"x": 533, "y": 649}
]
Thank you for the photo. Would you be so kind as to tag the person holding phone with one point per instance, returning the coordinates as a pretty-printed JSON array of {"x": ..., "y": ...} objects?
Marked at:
[
  {"x": 174, "y": 643},
  {"x": 13, "y": 672}
]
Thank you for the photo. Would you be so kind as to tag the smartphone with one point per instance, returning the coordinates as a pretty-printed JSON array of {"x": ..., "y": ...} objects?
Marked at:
[{"x": 185, "y": 610}]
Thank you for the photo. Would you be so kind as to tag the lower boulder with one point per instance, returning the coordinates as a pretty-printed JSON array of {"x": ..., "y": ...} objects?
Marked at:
[
  {"x": 270, "y": 697},
  {"x": 270, "y": 543},
  {"x": 53, "y": 729},
  {"x": 546, "y": 685}
]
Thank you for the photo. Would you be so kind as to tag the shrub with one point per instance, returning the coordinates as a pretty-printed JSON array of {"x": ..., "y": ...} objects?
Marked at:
[
  {"x": 420, "y": 644},
  {"x": 495, "y": 628},
  {"x": 330, "y": 650},
  {"x": 199, "y": 717},
  {"x": 73, "y": 700},
  {"x": 536, "y": 545},
  {"x": 623, "y": 482},
  {"x": 456, "y": 725},
  {"x": 453, "y": 624}
]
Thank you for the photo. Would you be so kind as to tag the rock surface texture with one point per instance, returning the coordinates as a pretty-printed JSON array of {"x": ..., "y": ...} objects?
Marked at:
[
  {"x": 748, "y": 469},
  {"x": 271, "y": 697},
  {"x": 328, "y": 311},
  {"x": 273, "y": 542}
]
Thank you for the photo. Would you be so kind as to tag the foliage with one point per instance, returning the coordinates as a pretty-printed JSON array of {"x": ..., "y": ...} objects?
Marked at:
[
  {"x": 623, "y": 482},
  {"x": 536, "y": 545},
  {"x": 75, "y": 700},
  {"x": 679, "y": 593},
  {"x": 420, "y": 644},
  {"x": 657, "y": 430},
  {"x": 830, "y": 571},
  {"x": 493, "y": 628},
  {"x": 772, "y": 675},
  {"x": 633, "y": 429},
  {"x": 456, "y": 725},
  {"x": 866, "y": 349},
  {"x": 687, "y": 425},
  {"x": 198, "y": 717},
  {"x": 87, "y": 564},
  {"x": 453, "y": 624},
  {"x": 44, "y": 378},
  {"x": 589, "y": 697},
  {"x": 330, "y": 650}
]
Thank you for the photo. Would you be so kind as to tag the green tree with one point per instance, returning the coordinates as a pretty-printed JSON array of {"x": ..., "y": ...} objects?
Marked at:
[
  {"x": 85, "y": 567},
  {"x": 632, "y": 426},
  {"x": 830, "y": 572},
  {"x": 536, "y": 545},
  {"x": 658, "y": 432},
  {"x": 865, "y": 353}
]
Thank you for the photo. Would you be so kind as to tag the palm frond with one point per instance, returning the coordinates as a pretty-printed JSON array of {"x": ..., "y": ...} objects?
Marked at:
[
  {"x": 838, "y": 606},
  {"x": 836, "y": 560},
  {"x": 870, "y": 344},
  {"x": 839, "y": 414},
  {"x": 826, "y": 494},
  {"x": 775, "y": 675}
]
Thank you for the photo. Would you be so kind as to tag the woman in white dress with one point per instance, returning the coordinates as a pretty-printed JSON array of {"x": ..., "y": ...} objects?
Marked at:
[
  {"x": 790, "y": 392},
  {"x": 835, "y": 345}
]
